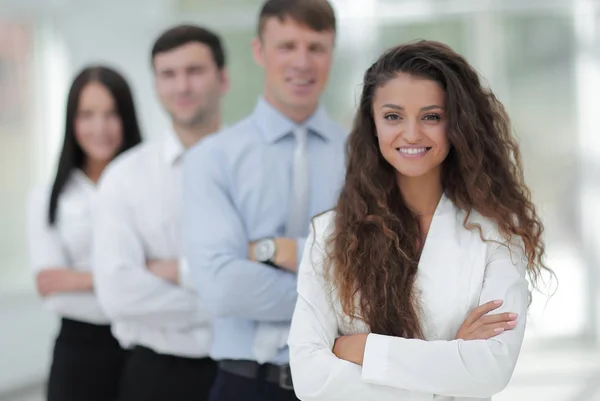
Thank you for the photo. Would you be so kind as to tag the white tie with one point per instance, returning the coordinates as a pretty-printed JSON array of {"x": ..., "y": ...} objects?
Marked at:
[
  {"x": 298, "y": 217},
  {"x": 272, "y": 337}
]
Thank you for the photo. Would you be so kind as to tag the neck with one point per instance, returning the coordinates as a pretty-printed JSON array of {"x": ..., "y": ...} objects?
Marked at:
[
  {"x": 296, "y": 114},
  {"x": 421, "y": 194},
  {"x": 189, "y": 135},
  {"x": 93, "y": 169}
]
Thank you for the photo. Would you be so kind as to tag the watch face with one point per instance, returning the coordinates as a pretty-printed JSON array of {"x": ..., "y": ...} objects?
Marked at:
[{"x": 264, "y": 250}]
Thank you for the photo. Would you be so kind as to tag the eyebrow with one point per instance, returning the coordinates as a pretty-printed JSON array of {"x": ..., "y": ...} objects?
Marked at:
[{"x": 396, "y": 107}]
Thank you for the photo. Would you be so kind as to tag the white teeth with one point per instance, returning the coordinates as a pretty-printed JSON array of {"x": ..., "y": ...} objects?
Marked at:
[
  {"x": 413, "y": 151},
  {"x": 300, "y": 82}
]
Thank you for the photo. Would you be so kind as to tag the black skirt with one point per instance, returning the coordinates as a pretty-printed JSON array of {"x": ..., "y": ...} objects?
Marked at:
[{"x": 87, "y": 363}]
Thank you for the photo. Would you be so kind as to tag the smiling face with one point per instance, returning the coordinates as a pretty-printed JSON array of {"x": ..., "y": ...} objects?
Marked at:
[
  {"x": 98, "y": 125},
  {"x": 410, "y": 121},
  {"x": 297, "y": 60},
  {"x": 189, "y": 83}
]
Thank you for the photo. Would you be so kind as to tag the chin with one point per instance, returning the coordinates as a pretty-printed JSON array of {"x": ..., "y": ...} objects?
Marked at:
[
  {"x": 186, "y": 119},
  {"x": 303, "y": 102},
  {"x": 411, "y": 175},
  {"x": 411, "y": 172},
  {"x": 105, "y": 155}
]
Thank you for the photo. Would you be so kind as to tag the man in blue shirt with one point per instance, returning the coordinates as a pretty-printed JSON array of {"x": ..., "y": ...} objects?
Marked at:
[{"x": 249, "y": 194}]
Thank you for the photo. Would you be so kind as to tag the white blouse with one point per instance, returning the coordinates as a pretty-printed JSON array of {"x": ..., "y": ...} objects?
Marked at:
[
  {"x": 457, "y": 272},
  {"x": 67, "y": 244}
]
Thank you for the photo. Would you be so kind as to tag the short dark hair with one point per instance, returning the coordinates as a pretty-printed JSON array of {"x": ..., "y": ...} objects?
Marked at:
[
  {"x": 183, "y": 34},
  {"x": 316, "y": 14}
]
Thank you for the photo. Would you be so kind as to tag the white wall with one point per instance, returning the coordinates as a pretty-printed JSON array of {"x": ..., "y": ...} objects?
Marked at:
[{"x": 67, "y": 40}]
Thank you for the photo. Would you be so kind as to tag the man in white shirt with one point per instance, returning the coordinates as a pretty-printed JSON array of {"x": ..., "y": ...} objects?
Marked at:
[{"x": 142, "y": 280}]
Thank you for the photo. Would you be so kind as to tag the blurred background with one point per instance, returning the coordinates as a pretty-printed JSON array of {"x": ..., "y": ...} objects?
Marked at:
[{"x": 541, "y": 57}]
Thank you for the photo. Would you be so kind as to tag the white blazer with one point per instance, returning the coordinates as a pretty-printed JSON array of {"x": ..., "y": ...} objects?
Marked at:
[{"x": 457, "y": 272}]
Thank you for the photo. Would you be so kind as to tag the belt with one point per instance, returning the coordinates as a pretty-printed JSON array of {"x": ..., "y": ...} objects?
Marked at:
[{"x": 280, "y": 375}]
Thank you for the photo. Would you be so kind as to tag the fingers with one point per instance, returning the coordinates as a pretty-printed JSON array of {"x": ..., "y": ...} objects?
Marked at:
[
  {"x": 498, "y": 318},
  {"x": 481, "y": 311},
  {"x": 41, "y": 285},
  {"x": 43, "y": 289},
  {"x": 46, "y": 283},
  {"x": 491, "y": 319},
  {"x": 485, "y": 332},
  {"x": 492, "y": 330},
  {"x": 43, "y": 275}
]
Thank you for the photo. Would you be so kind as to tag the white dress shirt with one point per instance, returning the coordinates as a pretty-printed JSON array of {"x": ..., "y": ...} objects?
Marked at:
[
  {"x": 66, "y": 244},
  {"x": 457, "y": 272},
  {"x": 138, "y": 218}
]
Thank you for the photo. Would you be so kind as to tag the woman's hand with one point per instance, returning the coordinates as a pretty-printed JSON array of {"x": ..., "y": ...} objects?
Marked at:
[
  {"x": 51, "y": 281},
  {"x": 351, "y": 348},
  {"x": 478, "y": 326}
]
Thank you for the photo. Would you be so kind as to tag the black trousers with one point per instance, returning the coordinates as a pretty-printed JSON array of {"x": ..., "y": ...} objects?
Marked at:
[
  {"x": 230, "y": 387},
  {"x": 150, "y": 376},
  {"x": 87, "y": 363}
]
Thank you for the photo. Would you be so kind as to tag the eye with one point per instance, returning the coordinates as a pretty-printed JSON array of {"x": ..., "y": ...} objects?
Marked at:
[
  {"x": 317, "y": 48},
  {"x": 196, "y": 70},
  {"x": 167, "y": 74},
  {"x": 287, "y": 46},
  {"x": 432, "y": 117},
  {"x": 392, "y": 117},
  {"x": 84, "y": 114}
]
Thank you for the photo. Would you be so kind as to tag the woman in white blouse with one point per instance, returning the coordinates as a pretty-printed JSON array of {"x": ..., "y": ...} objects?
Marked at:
[
  {"x": 433, "y": 230},
  {"x": 101, "y": 122}
]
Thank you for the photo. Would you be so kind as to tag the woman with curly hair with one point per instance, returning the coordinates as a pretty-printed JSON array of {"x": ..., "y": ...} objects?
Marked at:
[{"x": 434, "y": 229}]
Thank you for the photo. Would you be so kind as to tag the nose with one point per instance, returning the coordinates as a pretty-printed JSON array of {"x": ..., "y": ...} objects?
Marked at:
[
  {"x": 181, "y": 83},
  {"x": 302, "y": 59},
  {"x": 412, "y": 131},
  {"x": 100, "y": 124}
]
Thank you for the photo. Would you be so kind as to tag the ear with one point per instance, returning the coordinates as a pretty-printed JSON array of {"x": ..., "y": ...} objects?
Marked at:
[
  {"x": 258, "y": 51},
  {"x": 224, "y": 81},
  {"x": 155, "y": 83}
]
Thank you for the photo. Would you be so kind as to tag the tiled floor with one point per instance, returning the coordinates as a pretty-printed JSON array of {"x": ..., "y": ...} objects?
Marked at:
[{"x": 561, "y": 375}]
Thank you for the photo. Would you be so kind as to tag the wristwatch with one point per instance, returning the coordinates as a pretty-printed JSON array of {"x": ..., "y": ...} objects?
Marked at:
[{"x": 264, "y": 251}]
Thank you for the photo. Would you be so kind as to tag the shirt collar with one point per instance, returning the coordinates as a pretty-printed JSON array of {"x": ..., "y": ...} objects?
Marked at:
[
  {"x": 80, "y": 178},
  {"x": 274, "y": 125},
  {"x": 173, "y": 149}
]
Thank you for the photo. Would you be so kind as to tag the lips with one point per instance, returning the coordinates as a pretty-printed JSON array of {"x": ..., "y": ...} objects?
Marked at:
[
  {"x": 300, "y": 81},
  {"x": 413, "y": 151},
  {"x": 301, "y": 85},
  {"x": 184, "y": 102},
  {"x": 103, "y": 140}
]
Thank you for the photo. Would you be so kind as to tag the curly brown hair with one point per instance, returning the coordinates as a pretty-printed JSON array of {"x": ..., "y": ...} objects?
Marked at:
[{"x": 374, "y": 248}]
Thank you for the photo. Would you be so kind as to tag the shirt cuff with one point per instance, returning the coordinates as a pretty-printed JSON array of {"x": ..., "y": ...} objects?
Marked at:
[
  {"x": 375, "y": 359},
  {"x": 185, "y": 275}
]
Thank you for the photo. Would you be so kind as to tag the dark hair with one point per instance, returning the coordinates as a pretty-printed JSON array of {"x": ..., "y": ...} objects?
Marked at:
[
  {"x": 374, "y": 249},
  {"x": 72, "y": 155},
  {"x": 184, "y": 34},
  {"x": 316, "y": 14}
]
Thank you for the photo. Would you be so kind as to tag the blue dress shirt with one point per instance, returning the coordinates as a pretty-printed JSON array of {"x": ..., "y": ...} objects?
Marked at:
[{"x": 236, "y": 189}]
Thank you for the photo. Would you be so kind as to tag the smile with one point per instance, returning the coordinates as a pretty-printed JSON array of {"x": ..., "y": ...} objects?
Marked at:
[
  {"x": 299, "y": 82},
  {"x": 413, "y": 152}
]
